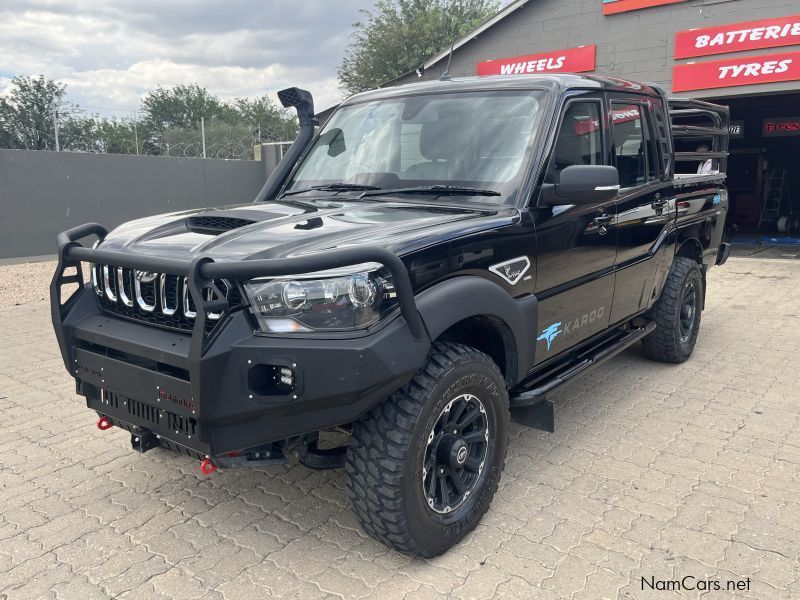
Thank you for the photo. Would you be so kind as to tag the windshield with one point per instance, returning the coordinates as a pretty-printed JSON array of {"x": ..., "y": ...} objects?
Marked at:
[{"x": 477, "y": 140}]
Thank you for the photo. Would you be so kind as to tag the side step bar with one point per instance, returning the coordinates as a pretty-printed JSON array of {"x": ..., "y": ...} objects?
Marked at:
[{"x": 532, "y": 408}]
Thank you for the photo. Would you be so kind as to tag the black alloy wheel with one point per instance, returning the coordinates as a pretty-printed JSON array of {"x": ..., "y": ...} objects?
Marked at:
[
  {"x": 688, "y": 316},
  {"x": 455, "y": 453}
]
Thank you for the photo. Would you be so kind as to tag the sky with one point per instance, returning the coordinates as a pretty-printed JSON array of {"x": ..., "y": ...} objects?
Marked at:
[{"x": 110, "y": 53}]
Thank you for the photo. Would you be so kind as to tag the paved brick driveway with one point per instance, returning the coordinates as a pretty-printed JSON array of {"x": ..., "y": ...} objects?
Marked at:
[{"x": 654, "y": 471}]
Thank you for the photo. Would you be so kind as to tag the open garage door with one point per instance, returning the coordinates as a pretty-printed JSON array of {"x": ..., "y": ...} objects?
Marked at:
[{"x": 764, "y": 165}]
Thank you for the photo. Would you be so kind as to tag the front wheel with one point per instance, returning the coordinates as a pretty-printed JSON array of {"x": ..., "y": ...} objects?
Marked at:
[
  {"x": 677, "y": 314},
  {"x": 423, "y": 467}
]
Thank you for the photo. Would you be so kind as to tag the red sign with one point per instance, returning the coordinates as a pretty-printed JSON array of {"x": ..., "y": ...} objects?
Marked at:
[
  {"x": 612, "y": 7},
  {"x": 618, "y": 116},
  {"x": 768, "y": 33},
  {"x": 749, "y": 70},
  {"x": 781, "y": 127},
  {"x": 574, "y": 60}
]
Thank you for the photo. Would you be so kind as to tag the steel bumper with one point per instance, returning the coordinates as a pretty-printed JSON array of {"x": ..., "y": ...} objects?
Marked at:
[{"x": 210, "y": 394}]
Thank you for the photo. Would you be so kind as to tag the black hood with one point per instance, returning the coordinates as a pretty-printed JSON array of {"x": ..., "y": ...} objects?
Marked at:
[{"x": 293, "y": 228}]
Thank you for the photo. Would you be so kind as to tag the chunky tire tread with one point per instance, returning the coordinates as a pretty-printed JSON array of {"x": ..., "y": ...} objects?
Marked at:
[
  {"x": 381, "y": 445},
  {"x": 663, "y": 344}
]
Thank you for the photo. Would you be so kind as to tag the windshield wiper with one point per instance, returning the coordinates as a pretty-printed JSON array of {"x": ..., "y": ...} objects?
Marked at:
[
  {"x": 333, "y": 187},
  {"x": 436, "y": 190}
]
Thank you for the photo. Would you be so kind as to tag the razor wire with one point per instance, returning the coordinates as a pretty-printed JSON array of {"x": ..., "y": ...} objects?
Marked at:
[{"x": 79, "y": 133}]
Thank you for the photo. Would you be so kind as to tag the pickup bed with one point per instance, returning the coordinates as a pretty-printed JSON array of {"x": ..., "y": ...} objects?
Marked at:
[{"x": 431, "y": 263}]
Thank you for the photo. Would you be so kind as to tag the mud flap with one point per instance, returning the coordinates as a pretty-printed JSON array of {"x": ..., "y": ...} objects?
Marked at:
[{"x": 537, "y": 416}]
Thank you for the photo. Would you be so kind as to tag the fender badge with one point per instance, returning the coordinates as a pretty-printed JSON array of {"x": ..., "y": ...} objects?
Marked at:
[{"x": 512, "y": 270}]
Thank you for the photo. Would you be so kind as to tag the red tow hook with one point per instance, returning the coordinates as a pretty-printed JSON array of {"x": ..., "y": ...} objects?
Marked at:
[
  {"x": 104, "y": 423},
  {"x": 207, "y": 467}
]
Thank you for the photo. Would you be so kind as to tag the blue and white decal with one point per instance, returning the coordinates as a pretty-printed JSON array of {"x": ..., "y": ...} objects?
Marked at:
[{"x": 550, "y": 334}]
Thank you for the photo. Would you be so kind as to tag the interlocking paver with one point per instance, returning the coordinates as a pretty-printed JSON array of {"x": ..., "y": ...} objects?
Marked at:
[{"x": 654, "y": 471}]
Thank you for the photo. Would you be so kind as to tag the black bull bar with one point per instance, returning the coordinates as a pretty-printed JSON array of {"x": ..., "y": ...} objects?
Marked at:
[{"x": 201, "y": 273}]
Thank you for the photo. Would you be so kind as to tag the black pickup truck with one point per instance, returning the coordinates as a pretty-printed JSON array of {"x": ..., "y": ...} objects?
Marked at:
[{"x": 430, "y": 264}]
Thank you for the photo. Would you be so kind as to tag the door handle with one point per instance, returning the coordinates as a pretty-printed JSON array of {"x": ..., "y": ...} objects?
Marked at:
[
  {"x": 602, "y": 222},
  {"x": 659, "y": 203}
]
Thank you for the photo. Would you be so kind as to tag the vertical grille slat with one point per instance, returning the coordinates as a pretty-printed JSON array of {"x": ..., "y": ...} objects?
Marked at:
[{"x": 155, "y": 298}]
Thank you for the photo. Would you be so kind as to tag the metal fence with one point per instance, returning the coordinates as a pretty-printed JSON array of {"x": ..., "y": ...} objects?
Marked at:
[{"x": 43, "y": 193}]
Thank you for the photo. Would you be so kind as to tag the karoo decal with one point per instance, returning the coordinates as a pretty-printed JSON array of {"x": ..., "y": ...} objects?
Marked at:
[
  {"x": 735, "y": 72},
  {"x": 738, "y": 37},
  {"x": 573, "y": 60},
  {"x": 612, "y": 7},
  {"x": 584, "y": 320},
  {"x": 550, "y": 334}
]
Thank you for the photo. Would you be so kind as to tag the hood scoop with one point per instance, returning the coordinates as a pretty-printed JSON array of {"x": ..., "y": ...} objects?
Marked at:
[{"x": 215, "y": 225}]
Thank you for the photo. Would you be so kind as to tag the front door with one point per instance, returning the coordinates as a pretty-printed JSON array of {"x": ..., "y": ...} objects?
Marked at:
[
  {"x": 576, "y": 245},
  {"x": 645, "y": 206}
]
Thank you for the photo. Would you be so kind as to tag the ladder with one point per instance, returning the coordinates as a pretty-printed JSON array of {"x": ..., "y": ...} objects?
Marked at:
[{"x": 773, "y": 196}]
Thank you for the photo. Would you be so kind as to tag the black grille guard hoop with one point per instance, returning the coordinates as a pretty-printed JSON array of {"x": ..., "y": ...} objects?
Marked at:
[
  {"x": 201, "y": 274},
  {"x": 203, "y": 271}
]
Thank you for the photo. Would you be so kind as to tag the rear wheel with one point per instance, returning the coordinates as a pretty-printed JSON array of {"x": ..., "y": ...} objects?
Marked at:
[
  {"x": 677, "y": 314},
  {"x": 422, "y": 467}
]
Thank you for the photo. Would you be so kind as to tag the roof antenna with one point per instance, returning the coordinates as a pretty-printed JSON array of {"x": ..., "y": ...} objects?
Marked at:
[{"x": 446, "y": 76}]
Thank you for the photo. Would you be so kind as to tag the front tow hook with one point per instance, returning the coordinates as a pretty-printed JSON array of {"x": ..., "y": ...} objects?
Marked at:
[{"x": 207, "y": 467}]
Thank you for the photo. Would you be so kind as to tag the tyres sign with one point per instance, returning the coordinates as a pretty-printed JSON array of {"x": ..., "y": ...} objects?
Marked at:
[{"x": 733, "y": 72}]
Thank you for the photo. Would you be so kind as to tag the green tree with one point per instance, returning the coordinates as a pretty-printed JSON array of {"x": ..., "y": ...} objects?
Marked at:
[
  {"x": 268, "y": 121},
  {"x": 27, "y": 113},
  {"x": 397, "y": 36},
  {"x": 170, "y": 123},
  {"x": 105, "y": 136},
  {"x": 181, "y": 106}
]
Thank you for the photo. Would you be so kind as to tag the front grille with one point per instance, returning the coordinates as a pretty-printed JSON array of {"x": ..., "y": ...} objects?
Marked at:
[{"x": 154, "y": 298}]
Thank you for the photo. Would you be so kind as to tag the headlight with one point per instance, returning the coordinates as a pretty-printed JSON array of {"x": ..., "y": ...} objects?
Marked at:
[{"x": 349, "y": 299}]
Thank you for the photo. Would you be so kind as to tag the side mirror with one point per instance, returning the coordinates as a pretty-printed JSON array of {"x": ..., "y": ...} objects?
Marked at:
[{"x": 586, "y": 184}]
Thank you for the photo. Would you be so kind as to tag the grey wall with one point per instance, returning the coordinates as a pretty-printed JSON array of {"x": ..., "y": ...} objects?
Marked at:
[
  {"x": 638, "y": 45},
  {"x": 44, "y": 193}
]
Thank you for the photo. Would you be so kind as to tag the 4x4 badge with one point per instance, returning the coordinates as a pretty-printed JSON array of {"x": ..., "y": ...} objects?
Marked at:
[{"x": 512, "y": 270}]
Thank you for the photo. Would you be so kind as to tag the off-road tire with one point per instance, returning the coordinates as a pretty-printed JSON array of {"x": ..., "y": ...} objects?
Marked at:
[
  {"x": 388, "y": 448},
  {"x": 666, "y": 343}
]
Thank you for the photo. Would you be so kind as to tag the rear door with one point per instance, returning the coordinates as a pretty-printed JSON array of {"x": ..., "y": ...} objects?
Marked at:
[
  {"x": 576, "y": 244},
  {"x": 645, "y": 207}
]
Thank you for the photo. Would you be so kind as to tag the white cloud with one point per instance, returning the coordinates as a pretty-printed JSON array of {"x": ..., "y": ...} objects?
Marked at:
[{"x": 111, "y": 54}]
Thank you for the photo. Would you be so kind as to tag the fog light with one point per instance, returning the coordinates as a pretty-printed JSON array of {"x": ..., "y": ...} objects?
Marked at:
[{"x": 287, "y": 377}]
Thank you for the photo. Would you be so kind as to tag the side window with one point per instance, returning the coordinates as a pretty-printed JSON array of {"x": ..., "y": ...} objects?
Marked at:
[
  {"x": 580, "y": 139},
  {"x": 631, "y": 149}
]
